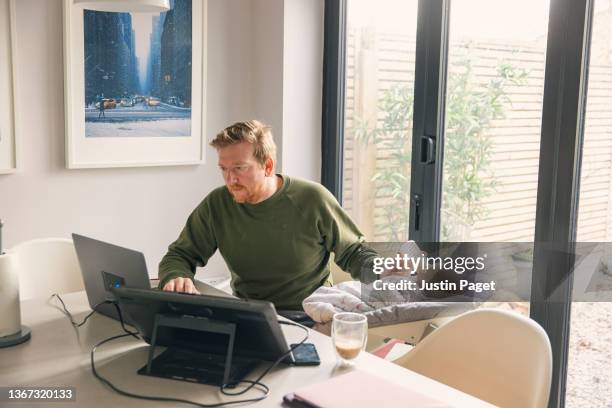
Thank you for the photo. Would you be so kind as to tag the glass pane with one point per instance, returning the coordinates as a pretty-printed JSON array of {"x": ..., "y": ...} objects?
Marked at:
[
  {"x": 495, "y": 88},
  {"x": 379, "y": 92},
  {"x": 590, "y": 350}
]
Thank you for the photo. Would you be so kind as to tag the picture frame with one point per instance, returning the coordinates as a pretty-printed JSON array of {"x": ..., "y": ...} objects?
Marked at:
[
  {"x": 156, "y": 118},
  {"x": 9, "y": 141}
]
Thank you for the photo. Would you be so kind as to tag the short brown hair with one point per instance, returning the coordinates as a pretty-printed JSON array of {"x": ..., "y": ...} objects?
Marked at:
[{"x": 252, "y": 131}]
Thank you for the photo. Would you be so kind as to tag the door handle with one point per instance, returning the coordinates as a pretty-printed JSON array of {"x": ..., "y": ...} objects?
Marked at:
[
  {"x": 428, "y": 150},
  {"x": 416, "y": 205}
]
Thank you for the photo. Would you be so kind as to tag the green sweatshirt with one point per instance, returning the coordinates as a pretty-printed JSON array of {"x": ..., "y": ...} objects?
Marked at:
[{"x": 276, "y": 250}]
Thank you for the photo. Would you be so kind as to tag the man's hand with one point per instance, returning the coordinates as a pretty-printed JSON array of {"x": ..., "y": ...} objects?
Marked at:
[{"x": 184, "y": 285}]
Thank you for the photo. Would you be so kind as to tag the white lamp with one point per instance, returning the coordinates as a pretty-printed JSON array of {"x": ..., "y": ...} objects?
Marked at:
[{"x": 148, "y": 6}]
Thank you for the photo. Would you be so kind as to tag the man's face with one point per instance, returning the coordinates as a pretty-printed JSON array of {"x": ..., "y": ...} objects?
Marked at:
[{"x": 244, "y": 176}]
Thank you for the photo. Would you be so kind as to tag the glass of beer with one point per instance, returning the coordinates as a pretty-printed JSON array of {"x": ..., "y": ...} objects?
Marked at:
[{"x": 349, "y": 335}]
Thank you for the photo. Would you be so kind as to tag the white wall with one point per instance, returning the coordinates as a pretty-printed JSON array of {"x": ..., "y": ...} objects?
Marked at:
[
  {"x": 267, "y": 67},
  {"x": 287, "y": 77},
  {"x": 303, "y": 88},
  {"x": 145, "y": 208}
]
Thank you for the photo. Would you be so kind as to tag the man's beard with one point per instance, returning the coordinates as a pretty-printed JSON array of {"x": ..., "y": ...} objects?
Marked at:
[
  {"x": 234, "y": 190},
  {"x": 245, "y": 196},
  {"x": 249, "y": 197}
]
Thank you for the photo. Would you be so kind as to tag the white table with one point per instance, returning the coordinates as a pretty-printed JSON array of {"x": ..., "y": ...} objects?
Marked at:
[{"x": 58, "y": 355}]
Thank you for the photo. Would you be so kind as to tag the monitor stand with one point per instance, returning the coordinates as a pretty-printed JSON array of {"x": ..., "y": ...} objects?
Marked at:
[{"x": 196, "y": 366}]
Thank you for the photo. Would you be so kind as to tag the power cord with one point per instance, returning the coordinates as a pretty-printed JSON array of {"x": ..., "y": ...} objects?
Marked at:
[
  {"x": 65, "y": 311},
  {"x": 257, "y": 384},
  {"x": 277, "y": 362},
  {"x": 155, "y": 398},
  {"x": 127, "y": 332},
  {"x": 105, "y": 302}
]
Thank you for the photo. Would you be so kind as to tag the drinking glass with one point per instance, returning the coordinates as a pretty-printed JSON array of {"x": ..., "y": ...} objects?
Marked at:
[{"x": 349, "y": 335}]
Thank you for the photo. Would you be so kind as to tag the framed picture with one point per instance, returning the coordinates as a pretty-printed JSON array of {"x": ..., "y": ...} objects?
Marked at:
[
  {"x": 134, "y": 86},
  {"x": 8, "y": 119}
]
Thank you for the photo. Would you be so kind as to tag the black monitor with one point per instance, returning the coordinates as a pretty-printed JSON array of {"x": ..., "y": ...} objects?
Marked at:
[{"x": 202, "y": 332}]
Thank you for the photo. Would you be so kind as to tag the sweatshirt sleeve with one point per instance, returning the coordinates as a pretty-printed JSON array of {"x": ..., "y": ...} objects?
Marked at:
[
  {"x": 194, "y": 246},
  {"x": 342, "y": 237}
]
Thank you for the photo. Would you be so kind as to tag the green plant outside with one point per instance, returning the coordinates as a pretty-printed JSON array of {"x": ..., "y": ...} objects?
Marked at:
[{"x": 471, "y": 106}]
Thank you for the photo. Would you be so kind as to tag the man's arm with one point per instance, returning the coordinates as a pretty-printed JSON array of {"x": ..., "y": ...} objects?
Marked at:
[
  {"x": 194, "y": 246},
  {"x": 342, "y": 237},
  {"x": 358, "y": 260}
]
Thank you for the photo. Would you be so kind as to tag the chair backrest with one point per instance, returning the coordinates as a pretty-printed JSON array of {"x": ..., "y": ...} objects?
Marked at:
[
  {"x": 338, "y": 275},
  {"x": 46, "y": 266},
  {"x": 498, "y": 356}
]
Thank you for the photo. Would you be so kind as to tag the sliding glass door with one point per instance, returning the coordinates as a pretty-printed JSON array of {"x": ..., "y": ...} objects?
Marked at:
[
  {"x": 495, "y": 86},
  {"x": 493, "y": 121},
  {"x": 462, "y": 120},
  {"x": 379, "y": 83}
]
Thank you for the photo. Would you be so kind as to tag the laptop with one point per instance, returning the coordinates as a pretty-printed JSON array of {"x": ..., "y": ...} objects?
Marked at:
[{"x": 105, "y": 266}]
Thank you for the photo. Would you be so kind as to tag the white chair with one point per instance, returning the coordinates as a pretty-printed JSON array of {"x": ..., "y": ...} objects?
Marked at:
[
  {"x": 498, "y": 356},
  {"x": 47, "y": 266}
]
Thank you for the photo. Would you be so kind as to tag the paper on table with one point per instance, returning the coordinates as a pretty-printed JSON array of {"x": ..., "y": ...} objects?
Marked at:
[{"x": 360, "y": 389}]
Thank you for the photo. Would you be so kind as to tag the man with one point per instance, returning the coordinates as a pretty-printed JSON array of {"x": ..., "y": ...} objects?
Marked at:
[
  {"x": 101, "y": 107},
  {"x": 275, "y": 232}
]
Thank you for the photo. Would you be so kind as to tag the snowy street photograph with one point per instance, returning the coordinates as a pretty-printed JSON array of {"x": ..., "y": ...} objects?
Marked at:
[{"x": 138, "y": 73}]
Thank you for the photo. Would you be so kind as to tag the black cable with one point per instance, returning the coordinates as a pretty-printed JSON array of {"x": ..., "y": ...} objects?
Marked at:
[
  {"x": 69, "y": 315},
  {"x": 253, "y": 383},
  {"x": 133, "y": 334},
  {"x": 105, "y": 302},
  {"x": 154, "y": 398},
  {"x": 277, "y": 362},
  {"x": 265, "y": 389}
]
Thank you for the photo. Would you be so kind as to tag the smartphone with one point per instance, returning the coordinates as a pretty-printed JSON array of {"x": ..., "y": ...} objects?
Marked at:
[{"x": 305, "y": 355}]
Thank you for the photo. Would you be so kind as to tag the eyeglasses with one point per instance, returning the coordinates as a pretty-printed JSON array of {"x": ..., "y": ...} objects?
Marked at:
[{"x": 236, "y": 170}]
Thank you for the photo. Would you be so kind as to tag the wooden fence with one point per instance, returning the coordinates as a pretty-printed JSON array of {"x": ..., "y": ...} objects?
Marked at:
[{"x": 377, "y": 61}]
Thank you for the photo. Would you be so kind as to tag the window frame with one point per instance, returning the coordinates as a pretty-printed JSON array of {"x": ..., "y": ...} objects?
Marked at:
[
  {"x": 564, "y": 105},
  {"x": 332, "y": 119},
  {"x": 428, "y": 119}
]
